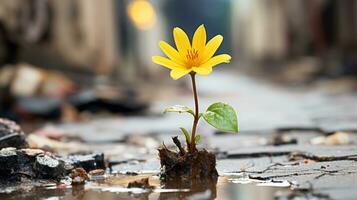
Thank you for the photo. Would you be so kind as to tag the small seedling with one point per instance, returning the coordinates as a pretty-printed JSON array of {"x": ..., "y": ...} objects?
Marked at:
[{"x": 197, "y": 58}]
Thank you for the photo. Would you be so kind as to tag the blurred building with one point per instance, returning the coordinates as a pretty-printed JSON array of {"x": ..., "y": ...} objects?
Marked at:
[
  {"x": 51, "y": 33},
  {"x": 275, "y": 33},
  {"x": 117, "y": 38}
]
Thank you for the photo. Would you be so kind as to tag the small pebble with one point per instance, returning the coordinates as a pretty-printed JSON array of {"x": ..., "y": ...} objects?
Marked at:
[{"x": 79, "y": 176}]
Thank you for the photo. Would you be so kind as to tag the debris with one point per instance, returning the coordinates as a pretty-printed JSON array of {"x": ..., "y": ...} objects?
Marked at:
[
  {"x": 7, "y": 73},
  {"x": 338, "y": 138},
  {"x": 8, "y": 161},
  {"x": 39, "y": 107},
  {"x": 33, "y": 81},
  {"x": 11, "y": 135},
  {"x": 56, "y": 133},
  {"x": 79, "y": 176},
  {"x": 309, "y": 161},
  {"x": 32, "y": 152},
  {"x": 281, "y": 139},
  {"x": 94, "y": 101},
  {"x": 88, "y": 162},
  {"x": 142, "y": 183},
  {"x": 27, "y": 81},
  {"x": 97, "y": 172},
  {"x": 141, "y": 140},
  {"x": 47, "y": 166},
  {"x": 39, "y": 142},
  {"x": 300, "y": 129},
  {"x": 50, "y": 132},
  {"x": 241, "y": 155},
  {"x": 38, "y": 164},
  {"x": 69, "y": 113},
  {"x": 132, "y": 173}
]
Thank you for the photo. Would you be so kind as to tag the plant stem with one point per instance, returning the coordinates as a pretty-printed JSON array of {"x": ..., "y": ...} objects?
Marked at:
[{"x": 192, "y": 147}]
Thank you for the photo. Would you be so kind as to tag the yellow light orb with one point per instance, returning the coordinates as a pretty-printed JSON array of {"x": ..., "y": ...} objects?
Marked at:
[{"x": 142, "y": 14}]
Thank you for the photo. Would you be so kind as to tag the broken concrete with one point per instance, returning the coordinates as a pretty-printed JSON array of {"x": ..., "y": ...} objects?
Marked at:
[
  {"x": 87, "y": 161},
  {"x": 313, "y": 171},
  {"x": 11, "y": 135},
  {"x": 37, "y": 164},
  {"x": 48, "y": 166}
]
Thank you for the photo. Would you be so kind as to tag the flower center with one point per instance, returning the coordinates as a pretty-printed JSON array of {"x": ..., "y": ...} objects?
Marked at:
[{"x": 192, "y": 54}]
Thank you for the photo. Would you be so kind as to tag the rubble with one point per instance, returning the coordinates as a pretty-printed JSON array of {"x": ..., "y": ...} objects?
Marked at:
[
  {"x": 38, "y": 164},
  {"x": 142, "y": 183},
  {"x": 338, "y": 138},
  {"x": 40, "y": 142},
  {"x": 94, "y": 101},
  {"x": 79, "y": 176},
  {"x": 29, "y": 80},
  {"x": 47, "y": 166},
  {"x": 87, "y": 161},
  {"x": 97, "y": 172},
  {"x": 11, "y": 135},
  {"x": 260, "y": 154}
]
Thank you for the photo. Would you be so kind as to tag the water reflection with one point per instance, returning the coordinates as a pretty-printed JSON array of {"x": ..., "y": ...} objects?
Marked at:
[
  {"x": 114, "y": 187},
  {"x": 207, "y": 188}
]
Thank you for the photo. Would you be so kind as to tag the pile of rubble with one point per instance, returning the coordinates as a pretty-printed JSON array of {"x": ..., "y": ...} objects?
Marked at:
[{"x": 18, "y": 162}]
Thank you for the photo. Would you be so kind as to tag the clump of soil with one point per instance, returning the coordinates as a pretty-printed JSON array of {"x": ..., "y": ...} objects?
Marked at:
[{"x": 186, "y": 166}]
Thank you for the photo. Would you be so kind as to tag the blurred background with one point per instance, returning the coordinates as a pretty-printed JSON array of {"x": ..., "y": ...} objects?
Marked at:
[{"x": 293, "y": 62}]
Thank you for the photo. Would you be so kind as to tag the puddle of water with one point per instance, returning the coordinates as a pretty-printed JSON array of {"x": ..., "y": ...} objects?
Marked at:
[{"x": 114, "y": 187}]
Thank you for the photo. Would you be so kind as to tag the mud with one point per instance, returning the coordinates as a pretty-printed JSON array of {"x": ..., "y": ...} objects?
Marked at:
[{"x": 186, "y": 166}]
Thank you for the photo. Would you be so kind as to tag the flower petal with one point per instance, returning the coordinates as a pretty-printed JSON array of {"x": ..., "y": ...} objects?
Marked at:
[
  {"x": 177, "y": 73},
  {"x": 204, "y": 71},
  {"x": 199, "y": 39},
  {"x": 222, "y": 58},
  {"x": 212, "y": 47},
  {"x": 165, "y": 62},
  {"x": 182, "y": 42},
  {"x": 171, "y": 52}
]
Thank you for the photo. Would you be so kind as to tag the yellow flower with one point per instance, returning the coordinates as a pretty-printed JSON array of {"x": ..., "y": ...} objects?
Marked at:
[{"x": 191, "y": 58}]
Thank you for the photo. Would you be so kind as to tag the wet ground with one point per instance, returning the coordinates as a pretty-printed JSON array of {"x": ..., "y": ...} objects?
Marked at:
[
  {"x": 268, "y": 168},
  {"x": 294, "y": 143},
  {"x": 114, "y": 187}
]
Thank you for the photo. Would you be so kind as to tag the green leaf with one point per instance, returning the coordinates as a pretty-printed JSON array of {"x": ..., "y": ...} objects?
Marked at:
[
  {"x": 222, "y": 116},
  {"x": 179, "y": 109},
  {"x": 187, "y": 135},
  {"x": 197, "y": 139}
]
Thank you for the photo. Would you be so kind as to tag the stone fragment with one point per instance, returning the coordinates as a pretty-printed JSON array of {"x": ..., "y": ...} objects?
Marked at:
[
  {"x": 79, "y": 176},
  {"x": 97, "y": 172},
  {"x": 8, "y": 161},
  {"x": 88, "y": 161},
  {"x": 11, "y": 135},
  {"x": 47, "y": 166},
  {"x": 142, "y": 183},
  {"x": 38, "y": 164},
  {"x": 338, "y": 138}
]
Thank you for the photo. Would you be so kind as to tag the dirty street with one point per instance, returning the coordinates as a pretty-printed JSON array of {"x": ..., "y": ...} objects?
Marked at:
[{"x": 142, "y": 99}]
